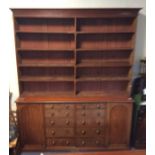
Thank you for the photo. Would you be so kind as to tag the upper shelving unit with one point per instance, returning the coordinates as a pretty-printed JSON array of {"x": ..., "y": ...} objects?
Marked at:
[{"x": 77, "y": 52}]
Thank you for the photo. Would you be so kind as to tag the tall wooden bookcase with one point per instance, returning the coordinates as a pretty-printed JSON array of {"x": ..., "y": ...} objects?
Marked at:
[{"x": 74, "y": 72}]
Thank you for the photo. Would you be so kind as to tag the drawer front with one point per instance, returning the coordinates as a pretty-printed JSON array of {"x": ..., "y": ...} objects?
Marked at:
[
  {"x": 61, "y": 122},
  {"x": 90, "y": 132},
  {"x": 90, "y": 122},
  {"x": 59, "y": 132},
  {"x": 90, "y": 113},
  {"x": 90, "y": 142},
  {"x": 59, "y": 113},
  {"x": 91, "y": 106},
  {"x": 59, "y": 106},
  {"x": 60, "y": 142}
]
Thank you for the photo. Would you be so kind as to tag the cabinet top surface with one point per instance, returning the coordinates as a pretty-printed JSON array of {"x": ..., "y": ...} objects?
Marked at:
[
  {"x": 73, "y": 99},
  {"x": 76, "y": 12}
]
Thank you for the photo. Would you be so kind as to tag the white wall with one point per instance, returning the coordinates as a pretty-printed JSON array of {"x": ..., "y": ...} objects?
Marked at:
[{"x": 140, "y": 39}]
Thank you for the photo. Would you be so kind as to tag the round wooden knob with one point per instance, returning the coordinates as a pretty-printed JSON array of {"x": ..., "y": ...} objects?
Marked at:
[
  {"x": 53, "y": 142},
  {"x": 98, "y": 107},
  {"x": 83, "y": 132},
  {"x": 52, "y": 107},
  {"x": 98, "y": 114},
  {"x": 98, "y": 122},
  {"x": 53, "y": 132},
  {"x": 83, "y": 122},
  {"x": 83, "y": 106},
  {"x": 67, "y": 114},
  {"x": 67, "y": 106},
  {"x": 97, "y": 142},
  {"x": 52, "y": 114},
  {"x": 83, "y": 142},
  {"x": 83, "y": 113},
  {"x": 52, "y": 122},
  {"x": 98, "y": 131},
  {"x": 67, "y": 142},
  {"x": 67, "y": 122}
]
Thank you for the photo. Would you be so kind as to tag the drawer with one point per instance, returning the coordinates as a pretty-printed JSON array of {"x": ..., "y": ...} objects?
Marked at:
[
  {"x": 59, "y": 132},
  {"x": 90, "y": 122},
  {"x": 61, "y": 122},
  {"x": 60, "y": 142},
  {"x": 90, "y": 132},
  {"x": 59, "y": 106},
  {"x": 90, "y": 142},
  {"x": 56, "y": 113},
  {"x": 91, "y": 113},
  {"x": 90, "y": 106}
]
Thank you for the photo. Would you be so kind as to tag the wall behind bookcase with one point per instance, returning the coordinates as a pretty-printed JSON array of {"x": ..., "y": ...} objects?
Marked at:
[{"x": 140, "y": 38}]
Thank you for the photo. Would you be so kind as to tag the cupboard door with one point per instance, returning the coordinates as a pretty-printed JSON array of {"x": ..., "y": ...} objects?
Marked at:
[
  {"x": 119, "y": 124},
  {"x": 31, "y": 125}
]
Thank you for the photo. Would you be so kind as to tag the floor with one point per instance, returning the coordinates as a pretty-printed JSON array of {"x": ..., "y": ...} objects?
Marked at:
[{"x": 132, "y": 152}]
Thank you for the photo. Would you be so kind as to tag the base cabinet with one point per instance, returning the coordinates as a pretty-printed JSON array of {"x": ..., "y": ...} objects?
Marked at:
[{"x": 85, "y": 125}]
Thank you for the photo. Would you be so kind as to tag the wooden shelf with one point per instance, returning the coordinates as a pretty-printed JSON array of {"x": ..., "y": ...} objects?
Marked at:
[
  {"x": 44, "y": 32},
  {"x": 105, "y": 49},
  {"x": 46, "y": 79},
  {"x": 105, "y": 32},
  {"x": 101, "y": 93},
  {"x": 104, "y": 64},
  {"x": 47, "y": 94},
  {"x": 45, "y": 49},
  {"x": 102, "y": 79},
  {"x": 45, "y": 65}
]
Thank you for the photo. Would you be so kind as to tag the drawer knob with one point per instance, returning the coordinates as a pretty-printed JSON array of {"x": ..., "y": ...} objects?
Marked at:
[
  {"x": 98, "y": 131},
  {"x": 83, "y": 113},
  {"x": 98, "y": 107},
  {"x": 83, "y": 106},
  {"x": 67, "y": 114},
  {"x": 83, "y": 142},
  {"x": 97, "y": 142},
  {"x": 98, "y": 122},
  {"x": 67, "y": 142},
  {"x": 67, "y": 106},
  {"x": 98, "y": 114},
  {"x": 83, "y": 132},
  {"x": 52, "y": 114},
  {"x": 83, "y": 122},
  {"x": 52, "y": 107},
  {"x": 52, "y": 122},
  {"x": 53, "y": 132},
  {"x": 67, "y": 122},
  {"x": 53, "y": 142}
]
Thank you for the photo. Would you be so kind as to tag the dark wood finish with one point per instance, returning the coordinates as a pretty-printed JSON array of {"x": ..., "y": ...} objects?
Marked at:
[
  {"x": 31, "y": 124},
  {"x": 74, "y": 73},
  {"x": 119, "y": 117}
]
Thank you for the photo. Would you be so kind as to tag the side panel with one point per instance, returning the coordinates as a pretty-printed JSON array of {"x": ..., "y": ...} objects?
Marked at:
[
  {"x": 119, "y": 125},
  {"x": 31, "y": 127}
]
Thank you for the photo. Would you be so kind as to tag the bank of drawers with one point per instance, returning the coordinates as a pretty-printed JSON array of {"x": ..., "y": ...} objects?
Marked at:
[{"x": 75, "y": 125}]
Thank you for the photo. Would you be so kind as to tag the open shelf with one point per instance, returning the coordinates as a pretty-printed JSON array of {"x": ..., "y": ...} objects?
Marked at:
[
  {"x": 47, "y": 87},
  {"x": 102, "y": 86},
  {"x": 48, "y": 41},
  {"x": 47, "y": 94},
  {"x": 102, "y": 41},
  {"x": 106, "y": 25},
  {"x": 104, "y": 64},
  {"x": 45, "y": 24},
  {"x": 45, "y": 78}
]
